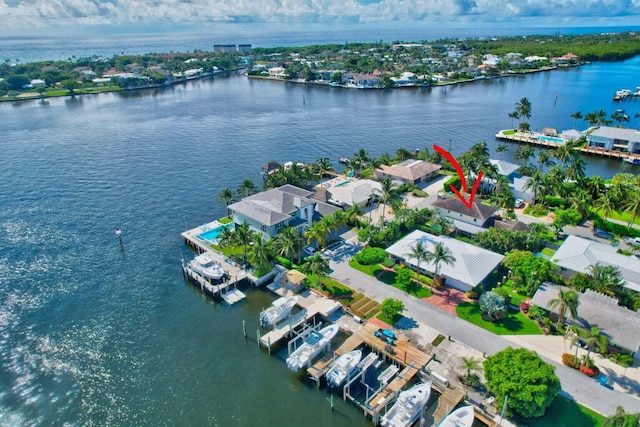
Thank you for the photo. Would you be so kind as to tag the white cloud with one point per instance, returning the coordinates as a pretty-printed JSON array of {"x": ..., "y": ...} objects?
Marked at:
[{"x": 41, "y": 13}]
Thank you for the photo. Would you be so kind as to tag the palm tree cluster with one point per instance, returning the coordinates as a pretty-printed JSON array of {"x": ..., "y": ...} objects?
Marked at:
[
  {"x": 440, "y": 254},
  {"x": 522, "y": 111},
  {"x": 228, "y": 196},
  {"x": 607, "y": 280}
]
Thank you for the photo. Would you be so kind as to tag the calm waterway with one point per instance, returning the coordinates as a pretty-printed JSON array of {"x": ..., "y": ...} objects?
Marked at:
[{"x": 93, "y": 335}]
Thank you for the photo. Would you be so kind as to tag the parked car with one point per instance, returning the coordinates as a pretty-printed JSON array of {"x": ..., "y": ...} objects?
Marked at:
[
  {"x": 518, "y": 203},
  {"x": 603, "y": 234},
  {"x": 632, "y": 240},
  {"x": 310, "y": 250}
]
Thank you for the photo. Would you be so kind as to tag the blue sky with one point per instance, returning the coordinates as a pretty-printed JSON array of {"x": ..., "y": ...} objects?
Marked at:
[{"x": 27, "y": 15}]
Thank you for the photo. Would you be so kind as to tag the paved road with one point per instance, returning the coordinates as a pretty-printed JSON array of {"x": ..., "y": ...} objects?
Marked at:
[{"x": 585, "y": 390}]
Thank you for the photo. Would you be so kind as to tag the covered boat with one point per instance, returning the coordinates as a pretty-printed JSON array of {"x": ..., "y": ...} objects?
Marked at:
[
  {"x": 408, "y": 407},
  {"x": 311, "y": 347},
  {"x": 342, "y": 367},
  {"x": 205, "y": 265},
  {"x": 461, "y": 417},
  {"x": 278, "y": 310}
]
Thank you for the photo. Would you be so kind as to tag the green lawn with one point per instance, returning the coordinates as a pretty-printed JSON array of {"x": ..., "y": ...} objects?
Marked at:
[
  {"x": 512, "y": 324},
  {"x": 414, "y": 288},
  {"x": 620, "y": 216},
  {"x": 371, "y": 270},
  {"x": 225, "y": 220},
  {"x": 566, "y": 413},
  {"x": 509, "y": 132},
  {"x": 548, "y": 252}
]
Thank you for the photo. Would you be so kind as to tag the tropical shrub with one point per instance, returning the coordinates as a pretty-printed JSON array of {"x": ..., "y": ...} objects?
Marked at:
[
  {"x": 622, "y": 359},
  {"x": 619, "y": 229},
  {"x": 492, "y": 305},
  {"x": 521, "y": 374},
  {"x": 389, "y": 262},
  {"x": 570, "y": 360},
  {"x": 591, "y": 372},
  {"x": 536, "y": 313},
  {"x": 371, "y": 256},
  {"x": 455, "y": 181},
  {"x": 524, "y": 307},
  {"x": 284, "y": 262}
]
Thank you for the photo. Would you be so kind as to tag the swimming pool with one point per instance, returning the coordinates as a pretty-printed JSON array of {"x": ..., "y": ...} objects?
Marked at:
[
  {"x": 550, "y": 139},
  {"x": 343, "y": 183},
  {"x": 213, "y": 234}
]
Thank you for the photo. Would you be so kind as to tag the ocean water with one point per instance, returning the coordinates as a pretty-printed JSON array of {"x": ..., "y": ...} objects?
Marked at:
[{"x": 91, "y": 334}]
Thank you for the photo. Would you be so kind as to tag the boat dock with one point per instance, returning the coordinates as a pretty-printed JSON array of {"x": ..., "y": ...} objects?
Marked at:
[
  {"x": 227, "y": 290},
  {"x": 532, "y": 138},
  {"x": 447, "y": 402}
]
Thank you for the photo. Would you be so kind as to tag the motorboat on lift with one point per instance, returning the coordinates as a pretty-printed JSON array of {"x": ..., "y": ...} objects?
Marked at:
[
  {"x": 206, "y": 266},
  {"x": 408, "y": 407},
  {"x": 311, "y": 347},
  {"x": 344, "y": 365},
  {"x": 279, "y": 309}
]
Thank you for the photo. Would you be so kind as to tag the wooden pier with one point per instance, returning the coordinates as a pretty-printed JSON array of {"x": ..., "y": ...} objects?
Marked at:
[{"x": 447, "y": 403}]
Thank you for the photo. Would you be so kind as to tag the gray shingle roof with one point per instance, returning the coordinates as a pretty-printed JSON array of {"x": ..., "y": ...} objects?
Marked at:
[
  {"x": 577, "y": 254},
  {"x": 273, "y": 206},
  {"x": 617, "y": 133},
  {"x": 472, "y": 263},
  {"x": 478, "y": 210},
  {"x": 620, "y": 325}
]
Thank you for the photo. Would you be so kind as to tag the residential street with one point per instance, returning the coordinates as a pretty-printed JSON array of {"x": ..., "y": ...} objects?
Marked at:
[{"x": 576, "y": 385}]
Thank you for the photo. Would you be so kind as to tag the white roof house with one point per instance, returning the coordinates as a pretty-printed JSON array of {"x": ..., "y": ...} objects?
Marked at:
[
  {"x": 620, "y": 325},
  {"x": 471, "y": 266},
  {"x": 620, "y": 139},
  {"x": 349, "y": 191},
  {"x": 577, "y": 254}
]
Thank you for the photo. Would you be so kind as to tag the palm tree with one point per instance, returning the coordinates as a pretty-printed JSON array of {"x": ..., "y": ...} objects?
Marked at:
[
  {"x": 523, "y": 154},
  {"x": 605, "y": 278},
  {"x": 259, "y": 252},
  {"x": 576, "y": 116},
  {"x": 523, "y": 108},
  {"x": 566, "y": 301},
  {"x": 576, "y": 168},
  {"x": 403, "y": 154},
  {"x": 595, "y": 185},
  {"x": 318, "y": 267},
  {"x": 564, "y": 152},
  {"x": 535, "y": 183},
  {"x": 632, "y": 205},
  {"x": 318, "y": 231},
  {"x": 480, "y": 151},
  {"x": 582, "y": 202},
  {"x": 289, "y": 243},
  {"x": 513, "y": 115},
  {"x": 323, "y": 164},
  {"x": 226, "y": 196},
  {"x": 387, "y": 195},
  {"x": 439, "y": 255},
  {"x": 419, "y": 253},
  {"x": 593, "y": 339},
  {"x": 606, "y": 204},
  {"x": 352, "y": 213},
  {"x": 502, "y": 148},
  {"x": 544, "y": 160},
  {"x": 243, "y": 236},
  {"x": 470, "y": 365},
  {"x": 247, "y": 188}
]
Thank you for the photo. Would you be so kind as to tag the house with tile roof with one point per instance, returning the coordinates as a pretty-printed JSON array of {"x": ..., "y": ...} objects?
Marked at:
[
  {"x": 270, "y": 211},
  {"x": 471, "y": 267},
  {"x": 577, "y": 254},
  {"x": 467, "y": 221},
  {"x": 620, "y": 325},
  {"x": 410, "y": 171}
]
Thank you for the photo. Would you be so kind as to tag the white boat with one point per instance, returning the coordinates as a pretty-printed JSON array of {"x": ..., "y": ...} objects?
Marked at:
[
  {"x": 205, "y": 265},
  {"x": 408, "y": 407},
  {"x": 632, "y": 160},
  {"x": 343, "y": 367},
  {"x": 461, "y": 417},
  {"x": 278, "y": 310},
  {"x": 311, "y": 347}
]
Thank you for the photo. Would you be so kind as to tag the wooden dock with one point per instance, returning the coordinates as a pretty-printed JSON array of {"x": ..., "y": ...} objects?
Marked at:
[
  {"x": 447, "y": 403},
  {"x": 531, "y": 138}
]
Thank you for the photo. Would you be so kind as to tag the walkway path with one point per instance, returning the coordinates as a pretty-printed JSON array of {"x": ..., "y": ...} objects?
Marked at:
[{"x": 574, "y": 384}]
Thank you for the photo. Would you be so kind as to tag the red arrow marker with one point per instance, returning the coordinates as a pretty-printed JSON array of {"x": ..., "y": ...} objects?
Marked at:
[{"x": 463, "y": 180}]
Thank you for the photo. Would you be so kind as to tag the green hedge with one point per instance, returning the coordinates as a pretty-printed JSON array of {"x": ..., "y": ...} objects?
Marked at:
[
  {"x": 455, "y": 181},
  {"x": 371, "y": 256},
  {"x": 284, "y": 262},
  {"x": 619, "y": 229}
]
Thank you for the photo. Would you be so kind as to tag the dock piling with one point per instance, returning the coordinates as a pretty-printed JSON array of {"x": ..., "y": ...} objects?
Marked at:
[
  {"x": 244, "y": 328},
  {"x": 258, "y": 336}
]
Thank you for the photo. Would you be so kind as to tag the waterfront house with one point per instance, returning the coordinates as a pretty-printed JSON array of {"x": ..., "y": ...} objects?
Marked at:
[
  {"x": 344, "y": 192},
  {"x": 270, "y": 211},
  {"x": 620, "y": 325},
  {"x": 405, "y": 79},
  {"x": 361, "y": 80},
  {"x": 616, "y": 139},
  {"x": 37, "y": 83},
  {"x": 517, "y": 182},
  {"x": 277, "y": 72},
  {"x": 410, "y": 171},
  {"x": 471, "y": 267},
  {"x": 576, "y": 255},
  {"x": 467, "y": 221}
]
